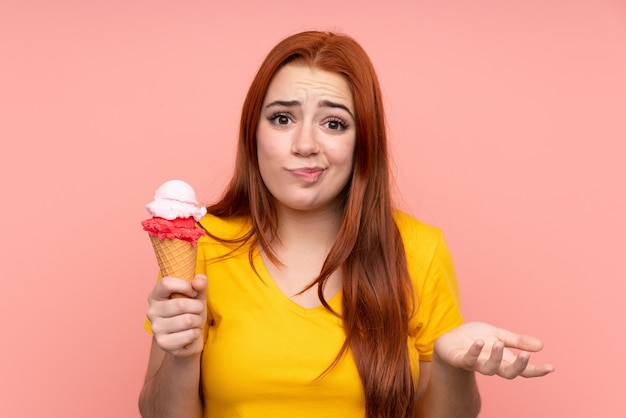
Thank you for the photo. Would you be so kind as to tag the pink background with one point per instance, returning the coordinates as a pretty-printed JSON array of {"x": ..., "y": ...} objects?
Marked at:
[{"x": 507, "y": 123}]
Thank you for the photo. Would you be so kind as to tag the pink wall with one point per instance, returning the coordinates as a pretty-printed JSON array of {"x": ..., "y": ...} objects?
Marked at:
[{"x": 507, "y": 122}]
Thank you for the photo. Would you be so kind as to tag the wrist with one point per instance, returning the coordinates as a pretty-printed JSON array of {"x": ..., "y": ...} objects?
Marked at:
[
  {"x": 457, "y": 389},
  {"x": 187, "y": 362}
]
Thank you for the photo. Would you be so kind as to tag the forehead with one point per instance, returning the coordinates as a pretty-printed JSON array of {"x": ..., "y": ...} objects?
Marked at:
[{"x": 297, "y": 82}]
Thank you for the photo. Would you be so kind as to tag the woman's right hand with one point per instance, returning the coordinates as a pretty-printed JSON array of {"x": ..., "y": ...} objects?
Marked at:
[{"x": 178, "y": 323}]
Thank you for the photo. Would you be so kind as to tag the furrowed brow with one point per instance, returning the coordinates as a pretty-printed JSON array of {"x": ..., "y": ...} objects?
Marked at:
[
  {"x": 328, "y": 103},
  {"x": 283, "y": 103}
]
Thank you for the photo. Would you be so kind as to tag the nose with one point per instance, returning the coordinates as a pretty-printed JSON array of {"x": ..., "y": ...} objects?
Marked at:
[{"x": 305, "y": 141}]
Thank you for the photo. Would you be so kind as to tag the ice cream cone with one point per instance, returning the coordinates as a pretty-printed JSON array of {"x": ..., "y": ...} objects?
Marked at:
[
  {"x": 173, "y": 229},
  {"x": 176, "y": 258}
]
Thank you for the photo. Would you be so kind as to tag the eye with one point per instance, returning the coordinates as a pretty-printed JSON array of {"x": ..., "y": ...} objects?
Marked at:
[
  {"x": 280, "y": 119},
  {"x": 336, "y": 124}
]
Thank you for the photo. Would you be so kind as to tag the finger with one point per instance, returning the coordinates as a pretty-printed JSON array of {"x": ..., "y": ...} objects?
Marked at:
[
  {"x": 177, "y": 341},
  {"x": 537, "y": 370},
  {"x": 471, "y": 357},
  {"x": 180, "y": 323},
  {"x": 519, "y": 341},
  {"x": 169, "y": 285},
  {"x": 515, "y": 368},
  {"x": 492, "y": 365},
  {"x": 174, "y": 307}
]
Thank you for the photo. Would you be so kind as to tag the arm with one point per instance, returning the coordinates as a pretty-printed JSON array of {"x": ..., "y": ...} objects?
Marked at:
[
  {"x": 448, "y": 392},
  {"x": 474, "y": 347},
  {"x": 172, "y": 384}
]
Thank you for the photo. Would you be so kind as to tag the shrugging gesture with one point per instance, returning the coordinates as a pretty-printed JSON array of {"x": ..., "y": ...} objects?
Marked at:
[{"x": 486, "y": 349}]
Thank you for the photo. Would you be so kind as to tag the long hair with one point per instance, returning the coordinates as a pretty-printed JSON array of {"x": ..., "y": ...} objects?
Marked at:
[{"x": 377, "y": 292}]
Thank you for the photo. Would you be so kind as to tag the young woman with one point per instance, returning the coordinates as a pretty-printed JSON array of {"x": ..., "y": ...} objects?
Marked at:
[{"x": 314, "y": 297}]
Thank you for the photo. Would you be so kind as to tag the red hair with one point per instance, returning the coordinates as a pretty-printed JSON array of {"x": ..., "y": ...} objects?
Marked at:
[{"x": 377, "y": 291}]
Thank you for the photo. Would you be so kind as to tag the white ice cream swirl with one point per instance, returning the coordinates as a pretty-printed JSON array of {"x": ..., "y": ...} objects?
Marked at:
[{"x": 175, "y": 199}]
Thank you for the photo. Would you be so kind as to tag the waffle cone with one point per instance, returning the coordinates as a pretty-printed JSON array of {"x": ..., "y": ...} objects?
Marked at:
[{"x": 175, "y": 257}]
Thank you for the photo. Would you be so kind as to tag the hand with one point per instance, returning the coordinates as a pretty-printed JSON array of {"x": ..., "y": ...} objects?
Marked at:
[
  {"x": 178, "y": 324},
  {"x": 484, "y": 348}
]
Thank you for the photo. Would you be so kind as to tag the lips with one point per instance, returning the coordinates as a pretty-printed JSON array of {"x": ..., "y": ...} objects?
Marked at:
[{"x": 309, "y": 174}]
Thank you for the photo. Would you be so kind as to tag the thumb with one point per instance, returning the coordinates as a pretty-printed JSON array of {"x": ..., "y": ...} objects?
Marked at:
[{"x": 199, "y": 284}]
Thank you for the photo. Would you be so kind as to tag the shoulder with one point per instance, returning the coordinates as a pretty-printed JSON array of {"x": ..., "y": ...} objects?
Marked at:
[
  {"x": 428, "y": 258},
  {"x": 225, "y": 237},
  {"x": 415, "y": 233},
  {"x": 426, "y": 250},
  {"x": 225, "y": 228}
]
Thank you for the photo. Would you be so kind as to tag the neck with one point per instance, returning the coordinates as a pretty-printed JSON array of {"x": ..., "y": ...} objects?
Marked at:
[{"x": 308, "y": 229}]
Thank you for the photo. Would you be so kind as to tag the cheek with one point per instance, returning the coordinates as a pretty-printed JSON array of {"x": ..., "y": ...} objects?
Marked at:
[
  {"x": 269, "y": 145},
  {"x": 264, "y": 149},
  {"x": 342, "y": 154},
  {"x": 268, "y": 159}
]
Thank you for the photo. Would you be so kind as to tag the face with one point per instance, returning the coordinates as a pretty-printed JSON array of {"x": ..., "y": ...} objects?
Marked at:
[{"x": 306, "y": 138}]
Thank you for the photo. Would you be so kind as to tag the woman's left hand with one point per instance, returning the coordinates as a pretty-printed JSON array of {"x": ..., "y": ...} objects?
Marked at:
[{"x": 486, "y": 349}]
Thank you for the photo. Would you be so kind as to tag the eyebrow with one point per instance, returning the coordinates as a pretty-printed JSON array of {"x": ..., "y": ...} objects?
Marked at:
[
  {"x": 328, "y": 103},
  {"x": 323, "y": 103}
]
